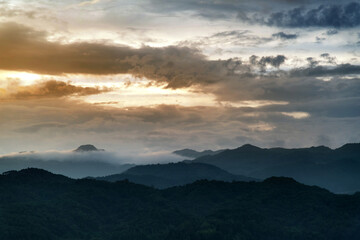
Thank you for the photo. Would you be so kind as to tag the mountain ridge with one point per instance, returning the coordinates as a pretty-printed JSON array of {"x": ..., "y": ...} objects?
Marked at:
[
  {"x": 174, "y": 174},
  {"x": 335, "y": 169}
]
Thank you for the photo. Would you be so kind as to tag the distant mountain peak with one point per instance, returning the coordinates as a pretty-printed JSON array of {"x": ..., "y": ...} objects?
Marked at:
[
  {"x": 88, "y": 148},
  {"x": 195, "y": 154},
  {"x": 248, "y": 147}
]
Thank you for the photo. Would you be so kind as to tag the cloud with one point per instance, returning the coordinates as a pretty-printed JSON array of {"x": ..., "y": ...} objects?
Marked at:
[
  {"x": 88, "y": 2},
  {"x": 236, "y": 37},
  {"x": 174, "y": 67},
  {"x": 47, "y": 89},
  {"x": 38, "y": 116},
  {"x": 217, "y": 10},
  {"x": 267, "y": 60},
  {"x": 296, "y": 115},
  {"x": 28, "y": 50},
  {"x": 318, "y": 71},
  {"x": 285, "y": 36},
  {"x": 328, "y": 58},
  {"x": 331, "y": 32},
  {"x": 336, "y": 16}
]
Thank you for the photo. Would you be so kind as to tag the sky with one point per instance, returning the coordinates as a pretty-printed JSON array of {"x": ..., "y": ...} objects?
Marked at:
[{"x": 151, "y": 76}]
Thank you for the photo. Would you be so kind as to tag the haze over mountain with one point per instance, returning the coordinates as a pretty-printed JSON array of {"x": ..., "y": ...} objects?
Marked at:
[
  {"x": 174, "y": 174},
  {"x": 39, "y": 205},
  {"x": 335, "y": 169},
  {"x": 84, "y": 161}
]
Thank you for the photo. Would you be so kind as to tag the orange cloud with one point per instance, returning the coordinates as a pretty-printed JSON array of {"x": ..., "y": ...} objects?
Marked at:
[{"x": 48, "y": 89}]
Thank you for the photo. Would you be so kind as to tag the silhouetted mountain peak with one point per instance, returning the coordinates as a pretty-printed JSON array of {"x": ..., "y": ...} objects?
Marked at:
[
  {"x": 87, "y": 148},
  {"x": 249, "y": 147}
]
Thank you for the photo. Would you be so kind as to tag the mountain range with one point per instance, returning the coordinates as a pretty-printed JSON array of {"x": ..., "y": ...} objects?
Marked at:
[{"x": 335, "y": 169}]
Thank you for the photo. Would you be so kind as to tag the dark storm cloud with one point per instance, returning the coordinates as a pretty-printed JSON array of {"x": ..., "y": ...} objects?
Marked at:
[
  {"x": 285, "y": 36},
  {"x": 336, "y": 16}
]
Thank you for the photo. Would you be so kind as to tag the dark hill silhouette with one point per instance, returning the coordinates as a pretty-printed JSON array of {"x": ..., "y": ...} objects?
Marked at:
[
  {"x": 36, "y": 204},
  {"x": 337, "y": 170},
  {"x": 174, "y": 174}
]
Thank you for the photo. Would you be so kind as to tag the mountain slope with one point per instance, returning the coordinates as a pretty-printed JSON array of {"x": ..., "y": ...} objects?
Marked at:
[
  {"x": 336, "y": 170},
  {"x": 36, "y": 204},
  {"x": 174, "y": 174}
]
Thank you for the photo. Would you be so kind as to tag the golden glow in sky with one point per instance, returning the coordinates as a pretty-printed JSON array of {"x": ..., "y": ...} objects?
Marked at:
[{"x": 128, "y": 91}]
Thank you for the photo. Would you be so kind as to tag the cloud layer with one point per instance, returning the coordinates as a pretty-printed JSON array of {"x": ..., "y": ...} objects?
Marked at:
[{"x": 277, "y": 73}]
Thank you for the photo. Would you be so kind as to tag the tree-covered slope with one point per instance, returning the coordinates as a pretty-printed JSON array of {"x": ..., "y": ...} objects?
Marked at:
[{"x": 35, "y": 204}]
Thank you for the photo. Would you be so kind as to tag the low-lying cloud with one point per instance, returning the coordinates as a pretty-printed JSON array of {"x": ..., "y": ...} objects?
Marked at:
[{"x": 84, "y": 164}]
